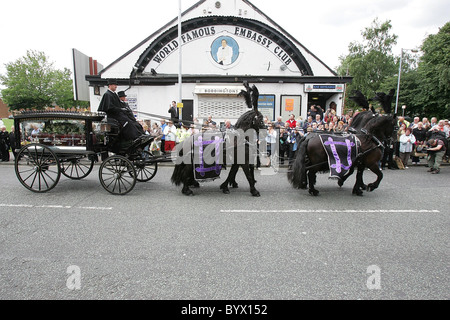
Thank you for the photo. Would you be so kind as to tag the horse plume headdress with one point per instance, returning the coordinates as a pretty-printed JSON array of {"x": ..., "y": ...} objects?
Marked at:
[
  {"x": 385, "y": 100},
  {"x": 361, "y": 100},
  {"x": 251, "y": 96}
]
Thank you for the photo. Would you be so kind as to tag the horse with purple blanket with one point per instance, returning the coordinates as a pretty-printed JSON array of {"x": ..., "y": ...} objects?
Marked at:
[
  {"x": 198, "y": 158},
  {"x": 342, "y": 154}
]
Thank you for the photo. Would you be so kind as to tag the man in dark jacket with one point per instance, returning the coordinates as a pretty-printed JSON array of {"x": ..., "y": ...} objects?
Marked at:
[
  {"x": 4, "y": 144},
  {"x": 12, "y": 141},
  {"x": 113, "y": 107},
  {"x": 436, "y": 150},
  {"x": 174, "y": 116},
  {"x": 123, "y": 99}
]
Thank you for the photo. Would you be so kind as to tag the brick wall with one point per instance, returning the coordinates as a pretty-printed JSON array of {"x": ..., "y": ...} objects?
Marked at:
[{"x": 4, "y": 111}]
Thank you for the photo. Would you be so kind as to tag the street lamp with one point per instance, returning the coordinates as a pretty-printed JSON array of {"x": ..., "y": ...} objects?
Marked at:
[
  {"x": 403, "y": 113},
  {"x": 399, "y": 75}
]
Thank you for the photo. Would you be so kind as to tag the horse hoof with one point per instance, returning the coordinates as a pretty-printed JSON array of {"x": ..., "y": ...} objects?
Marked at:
[
  {"x": 256, "y": 193},
  {"x": 224, "y": 188},
  {"x": 340, "y": 183},
  {"x": 234, "y": 185},
  {"x": 314, "y": 193},
  {"x": 358, "y": 193},
  {"x": 188, "y": 192},
  {"x": 370, "y": 188}
]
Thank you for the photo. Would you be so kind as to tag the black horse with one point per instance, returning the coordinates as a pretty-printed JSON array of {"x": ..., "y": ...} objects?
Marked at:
[
  {"x": 369, "y": 128},
  {"x": 380, "y": 135},
  {"x": 367, "y": 118},
  {"x": 253, "y": 119}
]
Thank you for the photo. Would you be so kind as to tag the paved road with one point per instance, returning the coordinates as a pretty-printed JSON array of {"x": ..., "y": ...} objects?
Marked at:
[{"x": 79, "y": 242}]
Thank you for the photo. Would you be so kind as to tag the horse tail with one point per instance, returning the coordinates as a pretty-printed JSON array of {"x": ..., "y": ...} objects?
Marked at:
[
  {"x": 184, "y": 157},
  {"x": 297, "y": 173},
  {"x": 178, "y": 174}
]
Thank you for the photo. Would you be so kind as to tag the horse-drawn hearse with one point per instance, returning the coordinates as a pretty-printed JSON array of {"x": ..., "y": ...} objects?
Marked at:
[
  {"x": 51, "y": 143},
  {"x": 69, "y": 143}
]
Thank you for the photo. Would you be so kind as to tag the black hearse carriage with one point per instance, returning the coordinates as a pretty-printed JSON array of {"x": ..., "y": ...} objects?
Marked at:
[{"x": 51, "y": 143}]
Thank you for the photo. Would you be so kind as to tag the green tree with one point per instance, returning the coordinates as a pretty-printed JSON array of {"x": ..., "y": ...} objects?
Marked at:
[
  {"x": 32, "y": 82},
  {"x": 409, "y": 83},
  {"x": 370, "y": 62},
  {"x": 434, "y": 72},
  {"x": 63, "y": 89},
  {"x": 425, "y": 82}
]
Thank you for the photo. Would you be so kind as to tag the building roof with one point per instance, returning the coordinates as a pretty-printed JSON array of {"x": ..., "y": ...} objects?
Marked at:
[{"x": 135, "y": 61}]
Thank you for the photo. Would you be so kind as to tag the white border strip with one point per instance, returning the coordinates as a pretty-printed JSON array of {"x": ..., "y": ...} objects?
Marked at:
[
  {"x": 329, "y": 211},
  {"x": 52, "y": 206}
]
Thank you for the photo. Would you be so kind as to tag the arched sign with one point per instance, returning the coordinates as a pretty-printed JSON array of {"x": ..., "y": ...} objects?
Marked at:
[{"x": 224, "y": 53}]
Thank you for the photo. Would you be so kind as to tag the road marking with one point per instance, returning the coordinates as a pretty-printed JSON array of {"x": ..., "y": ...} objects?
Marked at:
[
  {"x": 96, "y": 208},
  {"x": 52, "y": 206},
  {"x": 16, "y": 205},
  {"x": 328, "y": 211}
]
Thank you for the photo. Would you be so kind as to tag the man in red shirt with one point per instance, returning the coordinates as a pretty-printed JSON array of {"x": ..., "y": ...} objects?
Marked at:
[{"x": 291, "y": 123}]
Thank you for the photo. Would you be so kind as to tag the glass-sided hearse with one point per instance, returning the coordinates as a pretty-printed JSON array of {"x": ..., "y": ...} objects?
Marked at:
[{"x": 51, "y": 143}]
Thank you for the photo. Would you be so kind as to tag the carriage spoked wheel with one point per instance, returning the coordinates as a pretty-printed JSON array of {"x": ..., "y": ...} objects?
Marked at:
[
  {"x": 145, "y": 169},
  {"x": 77, "y": 168},
  {"x": 117, "y": 175},
  {"x": 37, "y": 168}
]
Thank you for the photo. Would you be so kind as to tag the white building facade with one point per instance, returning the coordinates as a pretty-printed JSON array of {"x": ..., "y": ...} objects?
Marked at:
[{"x": 223, "y": 44}]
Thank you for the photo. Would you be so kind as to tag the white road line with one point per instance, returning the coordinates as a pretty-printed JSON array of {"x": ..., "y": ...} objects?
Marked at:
[
  {"x": 329, "y": 211},
  {"x": 52, "y": 206},
  {"x": 16, "y": 205}
]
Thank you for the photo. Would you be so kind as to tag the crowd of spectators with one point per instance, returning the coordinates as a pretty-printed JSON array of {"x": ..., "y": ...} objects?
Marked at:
[
  {"x": 416, "y": 140},
  {"x": 413, "y": 138},
  {"x": 169, "y": 133},
  {"x": 291, "y": 130}
]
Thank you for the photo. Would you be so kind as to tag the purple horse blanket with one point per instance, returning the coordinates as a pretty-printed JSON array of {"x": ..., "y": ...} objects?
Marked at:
[
  {"x": 342, "y": 151},
  {"x": 207, "y": 150}
]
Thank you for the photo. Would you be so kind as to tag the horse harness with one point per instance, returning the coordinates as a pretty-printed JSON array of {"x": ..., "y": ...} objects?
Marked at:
[{"x": 378, "y": 143}]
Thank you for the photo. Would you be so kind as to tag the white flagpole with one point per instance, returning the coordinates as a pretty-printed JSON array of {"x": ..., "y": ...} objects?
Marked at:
[{"x": 180, "y": 81}]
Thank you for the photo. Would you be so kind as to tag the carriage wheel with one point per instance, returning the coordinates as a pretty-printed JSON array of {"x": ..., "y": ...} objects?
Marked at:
[
  {"x": 117, "y": 175},
  {"x": 37, "y": 168},
  {"x": 78, "y": 168},
  {"x": 145, "y": 170}
]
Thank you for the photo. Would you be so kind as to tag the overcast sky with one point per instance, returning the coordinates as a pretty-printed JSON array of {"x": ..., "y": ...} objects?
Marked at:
[{"x": 105, "y": 30}]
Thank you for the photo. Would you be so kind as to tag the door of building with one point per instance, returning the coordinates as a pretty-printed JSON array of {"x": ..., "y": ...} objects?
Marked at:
[{"x": 187, "y": 113}]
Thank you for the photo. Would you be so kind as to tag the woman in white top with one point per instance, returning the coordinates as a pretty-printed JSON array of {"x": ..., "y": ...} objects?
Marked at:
[{"x": 407, "y": 141}]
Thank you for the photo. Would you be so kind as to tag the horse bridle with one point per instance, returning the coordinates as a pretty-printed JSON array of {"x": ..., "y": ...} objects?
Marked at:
[
  {"x": 379, "y": 144},
  {"x": 377, "y": 141}
]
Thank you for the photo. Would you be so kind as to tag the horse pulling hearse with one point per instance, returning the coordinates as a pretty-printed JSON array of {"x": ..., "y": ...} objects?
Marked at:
[{"x": 51, "y": 143}]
